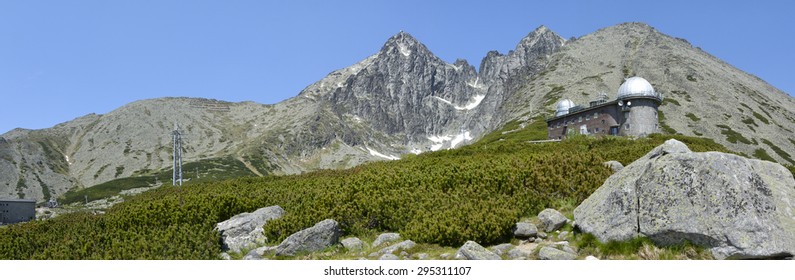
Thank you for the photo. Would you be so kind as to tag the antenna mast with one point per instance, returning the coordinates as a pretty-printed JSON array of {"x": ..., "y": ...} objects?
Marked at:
[{"x": 177, "y": 170}]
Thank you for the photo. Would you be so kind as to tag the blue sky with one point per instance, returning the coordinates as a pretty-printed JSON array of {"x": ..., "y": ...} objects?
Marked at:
[{"x": 63, "y": 59}]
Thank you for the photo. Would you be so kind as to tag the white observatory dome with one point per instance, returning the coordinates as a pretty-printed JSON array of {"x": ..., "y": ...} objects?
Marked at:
[
  {"x": 636, "y": 86},
  {"x": 563, "y": 107}
]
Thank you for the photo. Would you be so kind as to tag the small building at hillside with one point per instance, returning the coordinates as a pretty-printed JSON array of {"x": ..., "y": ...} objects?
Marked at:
[
  {"x": 14, "y": 211},
  {"x": 632, "y": 113}
]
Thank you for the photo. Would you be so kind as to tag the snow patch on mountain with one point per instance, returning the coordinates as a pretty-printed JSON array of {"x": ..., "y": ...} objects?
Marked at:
[{"x": 377, "y": 154}]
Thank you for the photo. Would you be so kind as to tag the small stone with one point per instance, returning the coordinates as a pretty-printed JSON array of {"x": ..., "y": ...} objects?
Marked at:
[
  {"x": 352, "y": 244},
  {"x": 445, "y": 256},
  {"x": 403, "y": 254},
  {"x": 614, "y": 165},
  {"x": 386, "y": 238},
  {"x": 226, "y": 256},
  {"x": 591, "y": 258},
  {"x": 551, "y": 220},
  {"x": 502, "y": 248},
  {"x": 373, "y": 254},
  {"x": 389, "y": 257},
  {"x": 471, "y": 250},
  {"x": 422, "y": 256},
  {"x": 538, "y": 240},
  {"x": 252, "y": 255},
  {"x": 522, "y": 252},
  {"x": 525, "y": 230},
  {"x": 405, "y": 245},
  {"x": 568, "y": 249},
  {"x": 549, "y": 253},
  {"x": 563, "y": 235},
  {"x": 542, "y": 235}
]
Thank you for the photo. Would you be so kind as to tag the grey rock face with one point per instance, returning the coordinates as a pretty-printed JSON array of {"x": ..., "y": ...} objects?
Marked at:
[
  {"x": 525, "y": 230},
  {"x": 549, "y": 253},
  {"x": 551, "y": 220},
  {"x": 738, "y": 207},
  {"x": 245, "y": 229},
  {"x": 471, "y": 250},
  {"x": 323, "y": 234},
  {"x": 614, "y": 165},
  {"x": 352, "y": 244},
  {"x": 405, "y": 245},
  {"x": 386, "y": 238}
]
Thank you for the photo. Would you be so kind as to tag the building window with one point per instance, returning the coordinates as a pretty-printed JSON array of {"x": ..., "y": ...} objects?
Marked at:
[
  {"x": 595, "y": 115},
  {"x": 627, "y": 126},
  {"x": 603, "y": 121},
  {"x": 579, "y": 119},
  {"x": 626, "y": 115},
  {"x": 588, "y": 117},
  {"x": 596, "y": 130}
]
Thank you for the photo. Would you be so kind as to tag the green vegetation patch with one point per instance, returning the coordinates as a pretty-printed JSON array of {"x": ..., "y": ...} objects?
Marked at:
[
  {"x": 750, "y": 121},
  {"x": 761, "y": 118},
  {"x": 692, "y": 117},
  {"x": 683, "y": 94},
  {"x": 553, "y": 95},
  {"x": 691, "y": 78},
  {"x": 733, "y": 136},
  {"x": 665, "y": 128},
  {"x": 669, "y": 100},
  {"x": 763, "y": 155},
  {"x": 780, "y": 152},
  {"x": 477, "y": 192}
]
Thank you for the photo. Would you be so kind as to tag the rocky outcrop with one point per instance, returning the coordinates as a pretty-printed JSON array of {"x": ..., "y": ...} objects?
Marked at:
[
  {"x": 738, "y": 207},
  {"x": 471, "y": 250},
  {"x": 551, "y": 220},
  {"x": 323, "y": 234},
  {"x": 245, "y": 229}
]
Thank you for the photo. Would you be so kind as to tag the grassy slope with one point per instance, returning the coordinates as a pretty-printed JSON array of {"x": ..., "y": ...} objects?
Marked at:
[{"x": 473, "y": 193}]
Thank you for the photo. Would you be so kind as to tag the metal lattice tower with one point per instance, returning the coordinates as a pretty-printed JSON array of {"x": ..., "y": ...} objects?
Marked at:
[{"x": 177, "y": 170}]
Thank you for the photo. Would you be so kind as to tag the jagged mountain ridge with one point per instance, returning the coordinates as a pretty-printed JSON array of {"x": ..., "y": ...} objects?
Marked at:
[{"x": 400, "y": 100}]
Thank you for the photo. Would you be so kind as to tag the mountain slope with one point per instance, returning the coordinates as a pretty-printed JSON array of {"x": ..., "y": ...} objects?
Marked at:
[
  {"x": 704, "y": 96},
  {"x": 403, "y": 99}
]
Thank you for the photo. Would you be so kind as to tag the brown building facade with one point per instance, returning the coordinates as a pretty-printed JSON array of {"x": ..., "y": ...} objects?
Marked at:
[{"x": 633, "y": 113}]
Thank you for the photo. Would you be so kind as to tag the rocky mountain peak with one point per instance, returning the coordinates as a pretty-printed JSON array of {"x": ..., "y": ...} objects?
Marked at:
[{"x": 405, "y": 45}]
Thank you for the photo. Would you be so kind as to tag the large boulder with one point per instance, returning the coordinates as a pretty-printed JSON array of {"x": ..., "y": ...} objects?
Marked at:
[
  {"x": 316, "y": 238},
  {"x": 245, "y": 230},
  {"x": 471, "y": 250},
  {"x": 738, "y": 207},
  {"x": 551, "y": 220}
]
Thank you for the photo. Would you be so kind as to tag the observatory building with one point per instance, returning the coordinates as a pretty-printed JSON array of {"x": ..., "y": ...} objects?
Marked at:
[{"x": 632, "y": 113}]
